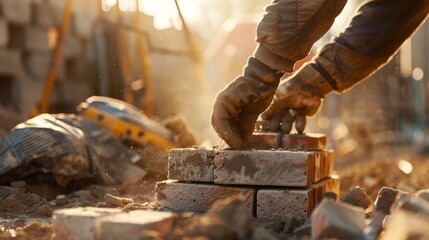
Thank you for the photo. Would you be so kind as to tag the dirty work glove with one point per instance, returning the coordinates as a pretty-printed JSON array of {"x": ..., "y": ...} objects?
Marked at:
[
  {"x": 297, "y": 97},
  {"x": 238, "y": 106}
]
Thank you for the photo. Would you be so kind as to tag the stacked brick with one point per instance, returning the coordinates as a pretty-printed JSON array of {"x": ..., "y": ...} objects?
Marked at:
[
  {"x": 275, "y": 182},
  {"x": 28, "y": 32}
]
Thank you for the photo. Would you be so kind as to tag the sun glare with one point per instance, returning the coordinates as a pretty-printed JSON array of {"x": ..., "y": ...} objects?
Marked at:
[{"x": 164, "y": 11}]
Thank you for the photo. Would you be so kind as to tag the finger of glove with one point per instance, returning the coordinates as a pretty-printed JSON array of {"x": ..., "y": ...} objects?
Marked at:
[
  {"x": 225, "y": 127},
  {"x": 275, "y": 107},
  {"x": 275, "y": 121},
  {"x": 300, "y": 122},
  {"x": 287, "y": 121},
  {"x": 246, "y": 125}
]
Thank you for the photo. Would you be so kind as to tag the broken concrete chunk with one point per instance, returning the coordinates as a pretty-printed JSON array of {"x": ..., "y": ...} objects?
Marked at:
[
  {"x": 265, "y": 168},
  {"x": 117, "y": 201},
  {"x": 191, "y": 164},
  {"x": 336, "y": 220},
  {"x": 385, "y": 198},
  {"x": 135, "y": 225},
  {"x": 195, "y": 197},
  {"x": 357, "y": 197},
  {"x": 78, "y": 223},
  {"x": 264, "y": 140},
  {"x": 291, "y": 202},
  {"x": 16, "y": 11},
  {"x": 409, "y": 220},
  {"x": 310, "y": 141}
]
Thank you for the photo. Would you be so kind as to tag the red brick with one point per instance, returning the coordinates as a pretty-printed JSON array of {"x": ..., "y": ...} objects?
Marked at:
[
  {"x": 264, "y": 140},
  {"x": 10, "y": 63},
  {"x": 16, "y": 11},
  {"x": 197, "y": 197},
  {"x": 36, "y": 40},
  {"x": 311, "y": 141}
]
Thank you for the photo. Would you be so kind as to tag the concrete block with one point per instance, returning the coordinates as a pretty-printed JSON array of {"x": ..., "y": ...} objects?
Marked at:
[
  {"x": 265, "y": 168},
  {"x": 264, "y": 140},
  {"x": 337, "y": 220},
  {"x": 16, "y": 11},
  {"x": 311, "y": 141},
  {"x": 195, "y": 197},
  {"x": 135, "y": 225},
  {"x": 10, "y": 63},
  {"x": 408, "y": 221},
  {"x": 298, "y": 203},
  {"x": 191, "y": 164},
  {"x": 357, "y": 197},
  {"x": 4, "y": 33},
  {"x": 42, "y": 15},
  {"x": 36, "y": 39},
  {"x": 72, "y": 46},
  {"x": 37, "y": 64},
  {"x": 385, "y": 198},
  {"x": 83, "y": 26},
  {"x": 78, "y": 223}
]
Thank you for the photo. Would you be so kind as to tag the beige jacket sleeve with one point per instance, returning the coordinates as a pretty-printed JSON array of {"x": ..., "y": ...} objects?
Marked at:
[
  {"x": 289, "y": 29},
  {"x": 373, "y": 36}
]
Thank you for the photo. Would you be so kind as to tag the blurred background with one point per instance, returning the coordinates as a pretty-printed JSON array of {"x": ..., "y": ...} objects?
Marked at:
[{"x": 170, "y": 58}]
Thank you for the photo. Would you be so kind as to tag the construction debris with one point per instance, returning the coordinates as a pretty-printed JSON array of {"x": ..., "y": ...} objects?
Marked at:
[
  {"x": 385, "y": 198},
  {"x": 65, "y": 148},
  {"x": 337, "y": 220},
  {"x": 357, "y": 197},
  {"x": 254, "y": 174}
]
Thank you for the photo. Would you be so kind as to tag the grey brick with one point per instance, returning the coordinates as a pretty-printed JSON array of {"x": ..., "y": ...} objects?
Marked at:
[
  {"x": 265, "y": 168},
  {"x": 4, "y": 33},
  {"x": 298, "y": 203},
  {"x": 10, "y": 63},
  {"x": 191, "y": 164},
  {"x": 197, "y": 197},
  {"x": 16, "y": 11},
  {"x": 135, "y": 225}
]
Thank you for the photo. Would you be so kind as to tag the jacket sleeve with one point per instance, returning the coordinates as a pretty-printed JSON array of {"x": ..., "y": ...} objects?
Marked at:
[
  {"x": 375, "y": 33},
  {"x": 289, "y": 29}
]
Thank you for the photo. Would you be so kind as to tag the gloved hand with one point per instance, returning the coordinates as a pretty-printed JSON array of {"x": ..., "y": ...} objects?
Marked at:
[
  {"x": 297, "y": 97},
  {"x": 238, "y": 106}
]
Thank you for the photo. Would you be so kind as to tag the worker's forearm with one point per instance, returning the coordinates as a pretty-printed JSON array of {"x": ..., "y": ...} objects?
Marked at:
[
  {"x": 374, "y": 35},
  {"x": 289, "y": 28}
]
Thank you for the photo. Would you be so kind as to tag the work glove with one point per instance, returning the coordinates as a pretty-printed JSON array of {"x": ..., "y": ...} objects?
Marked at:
[
  {"x": 238, "y": 106},
  {"x": 297, "y": 97}
]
